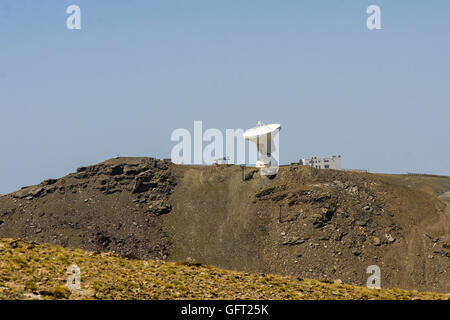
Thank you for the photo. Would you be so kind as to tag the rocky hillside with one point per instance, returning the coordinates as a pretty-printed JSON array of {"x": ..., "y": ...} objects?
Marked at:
[
  {"x": 333, "y": 224},
  {"x": 113, "y": 206}
]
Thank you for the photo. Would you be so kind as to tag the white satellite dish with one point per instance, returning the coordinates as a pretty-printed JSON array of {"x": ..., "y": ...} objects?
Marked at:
[{"x": 262, "y": 135}]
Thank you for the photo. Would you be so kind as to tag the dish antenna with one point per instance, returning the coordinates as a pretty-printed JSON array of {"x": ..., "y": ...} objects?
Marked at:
[{"x": 262, "y": 135}]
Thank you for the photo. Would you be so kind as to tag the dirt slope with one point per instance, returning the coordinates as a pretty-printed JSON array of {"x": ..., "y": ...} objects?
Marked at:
[{"x": 334, "y": 224}]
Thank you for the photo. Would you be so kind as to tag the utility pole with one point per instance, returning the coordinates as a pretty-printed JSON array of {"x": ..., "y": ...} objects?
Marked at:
[
  {"x": 243, "y": 171},
  {"x": 279, "y": 217}
]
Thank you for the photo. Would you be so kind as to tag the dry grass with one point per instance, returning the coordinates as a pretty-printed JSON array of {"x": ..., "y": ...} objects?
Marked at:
[{"x": 38, "y": 271}]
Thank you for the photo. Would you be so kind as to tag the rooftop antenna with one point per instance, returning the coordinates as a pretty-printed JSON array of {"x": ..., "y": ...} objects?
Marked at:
[{"x": 262, "y": 135}]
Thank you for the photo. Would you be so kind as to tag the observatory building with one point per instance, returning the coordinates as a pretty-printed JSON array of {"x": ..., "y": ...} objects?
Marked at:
[
  {"x": 262, "y": 135},
  {"x": 334, "y": 162}
]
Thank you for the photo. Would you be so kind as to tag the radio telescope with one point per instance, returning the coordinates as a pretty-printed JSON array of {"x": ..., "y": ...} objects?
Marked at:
[{"x": 262, "y": 135}]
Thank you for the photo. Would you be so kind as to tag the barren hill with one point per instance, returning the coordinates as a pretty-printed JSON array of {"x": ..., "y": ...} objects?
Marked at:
[{"x": 333, "y": 225}]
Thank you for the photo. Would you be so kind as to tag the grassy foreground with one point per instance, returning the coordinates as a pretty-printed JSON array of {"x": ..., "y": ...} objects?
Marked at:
[{"x": 39, "y": 271}]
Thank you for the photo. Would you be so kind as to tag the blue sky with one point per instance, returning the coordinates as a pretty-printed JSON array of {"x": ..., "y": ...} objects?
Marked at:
[{"x": 137, "y": 70}]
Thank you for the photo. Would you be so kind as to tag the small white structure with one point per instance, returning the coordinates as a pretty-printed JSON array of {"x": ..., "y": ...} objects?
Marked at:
[
  {"x": 334, "y": 162},
  {"x": 262, "y": 135},
  {"x": 222, "y": 160}
]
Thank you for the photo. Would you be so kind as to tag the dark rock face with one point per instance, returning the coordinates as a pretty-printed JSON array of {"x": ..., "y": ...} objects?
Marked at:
[
  {"x": 341, "y": 214},
  {"x": 111, "y": 206}
]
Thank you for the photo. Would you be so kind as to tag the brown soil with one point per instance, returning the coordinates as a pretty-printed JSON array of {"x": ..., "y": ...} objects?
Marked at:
[{"x": 334, "y": 224}]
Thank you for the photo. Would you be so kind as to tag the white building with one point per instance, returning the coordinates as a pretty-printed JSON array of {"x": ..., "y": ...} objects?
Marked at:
[{"x": 334, "y": 162}]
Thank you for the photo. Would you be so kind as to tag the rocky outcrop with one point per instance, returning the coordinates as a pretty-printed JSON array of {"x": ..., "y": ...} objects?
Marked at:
[
  {"x": 111, "y": 206},
  {"x": 148, "y": 180}
]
